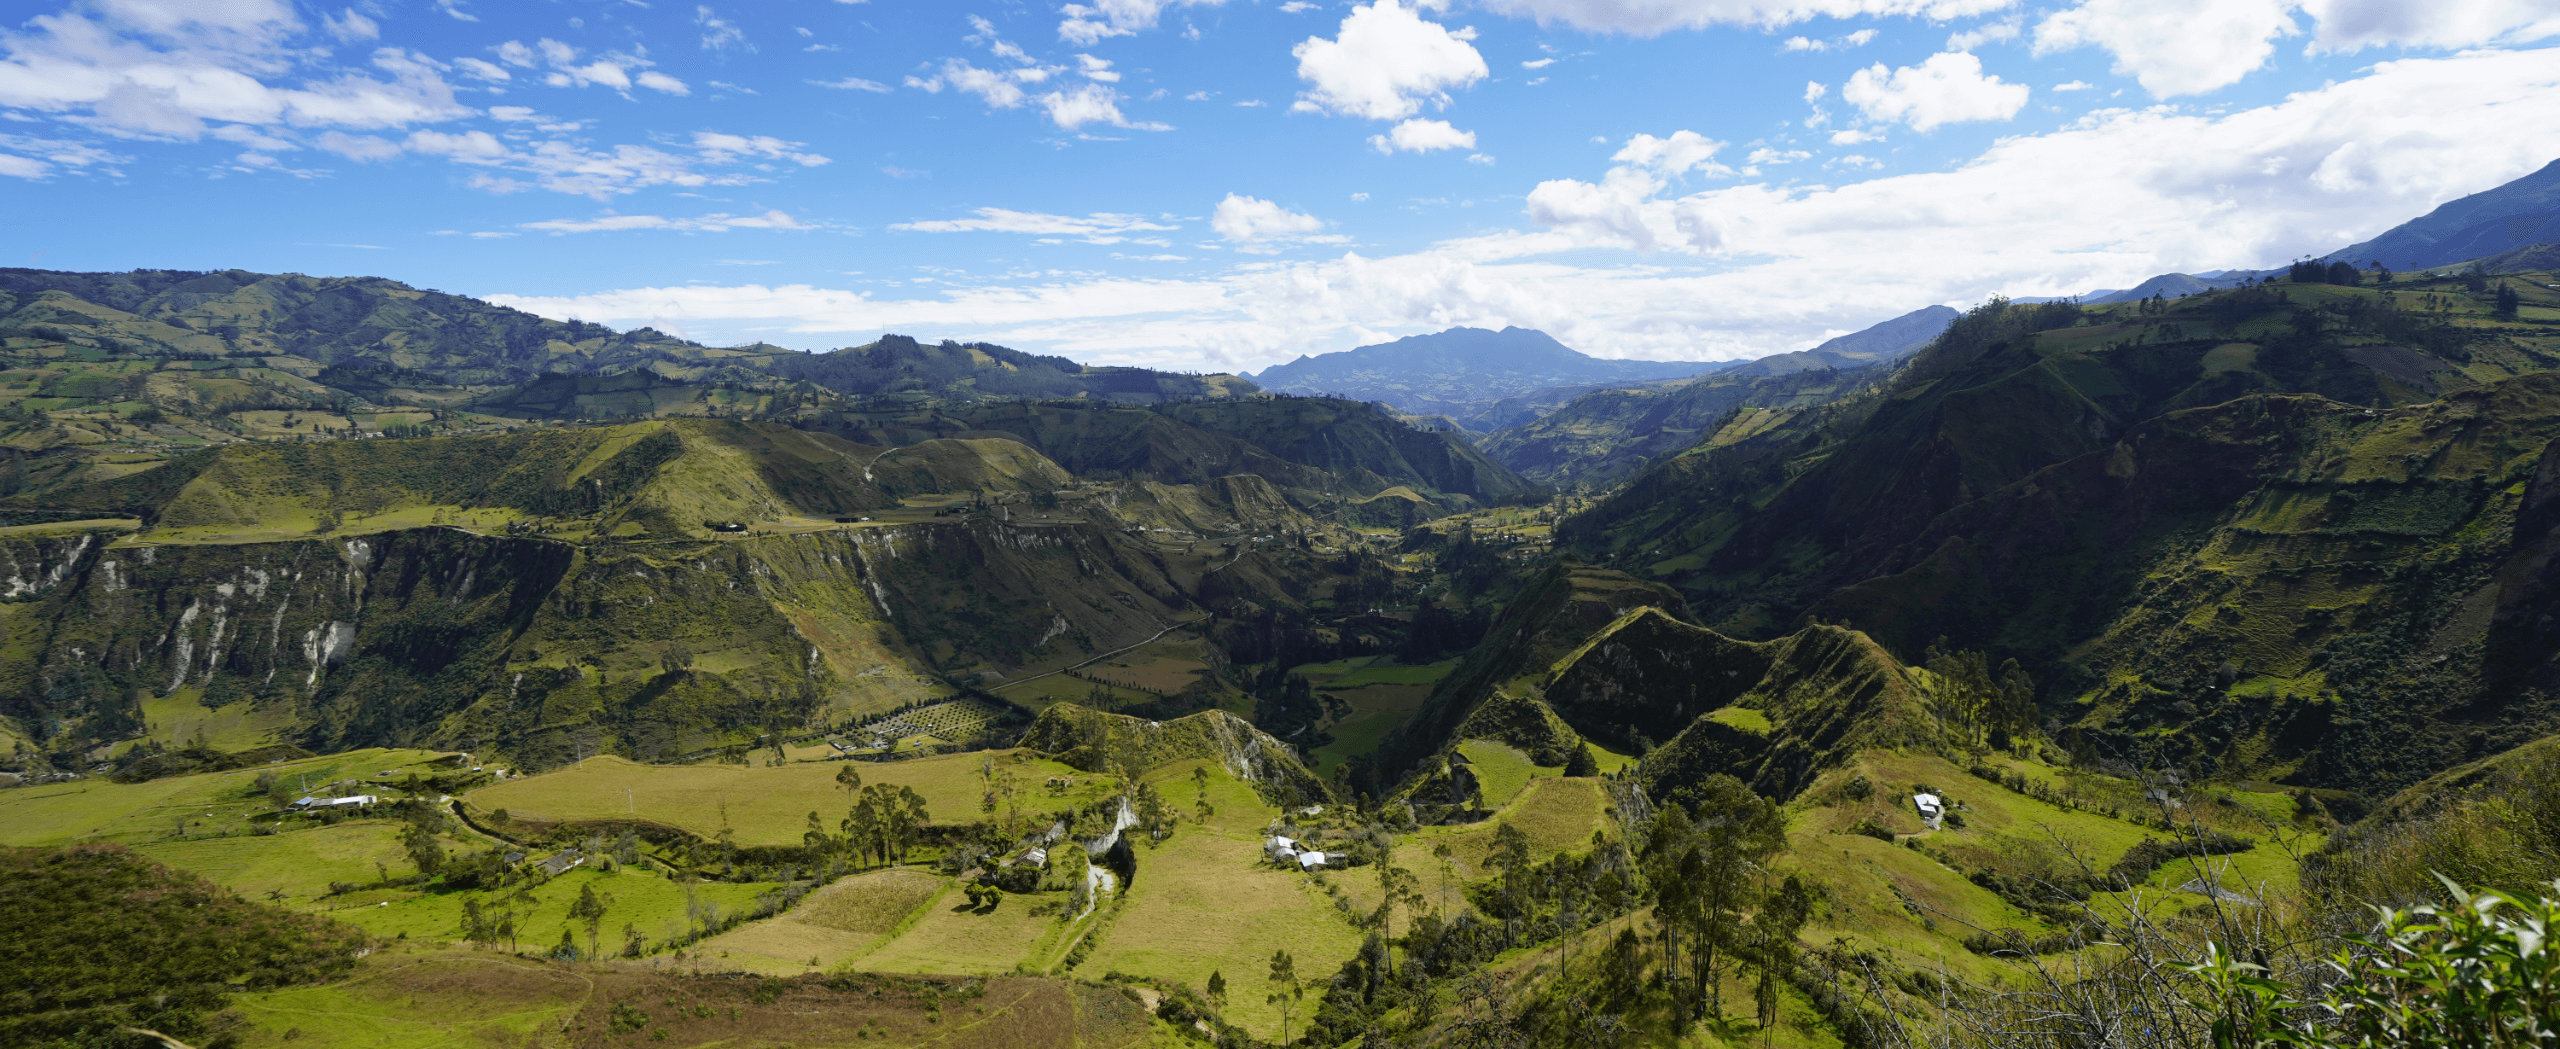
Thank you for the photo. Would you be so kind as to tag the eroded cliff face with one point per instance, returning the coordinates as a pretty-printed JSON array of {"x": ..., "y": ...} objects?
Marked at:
[
  {"x": 547, "y": 650},
  {"x": 361, "y": 634}
]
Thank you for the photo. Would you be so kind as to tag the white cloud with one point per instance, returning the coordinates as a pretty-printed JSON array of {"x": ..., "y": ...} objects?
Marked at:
[
  {"x": 1385, "y": 63},
  {"x": 1537, "y": 63},
  {"x": 855, "y": 83},
  {"x": 2073, "y": 85},
  {"x": 1296, "y": 6},
  {"x": 1648, "y": 17},
  {"x": 1851, "y": 136},
  {"x": 1096, "y": 69},
  {"x": 483, "y": 69},
  {"x": 1839, "y": 43},
  {"x": 657, "y": 81},
  {"x": 1422, "y": 136},
  {"x": 2173, "y": 47},
  {"x": 454, "y": 8},
  {"x": 34, "y": 157},
  {"x": 2000, "y": 32},
  {"x": 717, "y": 223},
  {"x": 1069, "y": 109},
  {"x": 1948, "y": 88},
  {"x": 719, "y": 34},
  {"x": 1749, "y": 269},
  {"x": 2353, "y": 25},
  {"x": 1254, "y": 224},
  {"x": 1097, "y": 228},
  {"x": 1773, "y": 156},
  {"x": 171, "y": 70},
  {"x": 1086, "y": 24},
  {"x": 1814, "y": 89},
  {"x": 358, "y": 147},
  {"x": 1088, "y": 104},
  {"x": 350, "y": 26},
  {"x": 1626, "y": 201},
  {"x": 722, "y": 148}
]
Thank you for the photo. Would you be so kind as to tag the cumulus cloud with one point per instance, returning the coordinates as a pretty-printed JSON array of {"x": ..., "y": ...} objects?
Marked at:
[
  {"x": 1385, "y": 63},
  {"x": 1422, "y": 136},
  {"x": 2353, "y": 25},
  {"x": 855, "y": 83},
  {"x": 1255, "y": 224},
  {"x": 1949, "y": 88},
  {"x": 1739, "y": 270},
  {"x": 1648, "y": 17},
  {"x": 2173, "y": 47}
]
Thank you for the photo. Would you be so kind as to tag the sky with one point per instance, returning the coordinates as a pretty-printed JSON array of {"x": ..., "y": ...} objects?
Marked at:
[{"x": 1222, "y": 185}]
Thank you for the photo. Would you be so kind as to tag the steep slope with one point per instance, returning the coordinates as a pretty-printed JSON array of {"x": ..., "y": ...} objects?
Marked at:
[
  {"x": 1458, "y": 371},
  {"x": 900, "y": 364},
  {"x": 1884, "y": 343},
  {"x": 1367, "y": 449},
  {"x": 1485, "y": 697},
  {"x": 1605, "y": 435},
  {"x": 2215, "y": 570},
  {"x": 1099, "y": 742},
  {"x": 2523, "y": 212},
  {"x": 1773, "y": 714}
]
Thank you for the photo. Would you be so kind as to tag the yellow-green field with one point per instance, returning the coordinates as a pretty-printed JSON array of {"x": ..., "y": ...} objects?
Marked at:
[
  {"x": 767, "y": 805},
  {"x": 832, "y": 926},
  {"x": 1205, "y": 901},
  {"x": 950, "y": 937},
  {"x": 181, "y": 718},
  {"x": 95, "y": 809},
  {"x": 1502, "y": 770}
]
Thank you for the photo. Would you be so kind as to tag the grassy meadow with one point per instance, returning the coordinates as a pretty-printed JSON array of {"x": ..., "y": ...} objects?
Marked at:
[
  {"x": 766, "y": 805},
  {"x": 96, "y": 809}
]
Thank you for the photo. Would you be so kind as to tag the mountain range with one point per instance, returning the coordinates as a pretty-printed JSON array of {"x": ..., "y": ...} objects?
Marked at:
[{"x": 1460, "y": 371}]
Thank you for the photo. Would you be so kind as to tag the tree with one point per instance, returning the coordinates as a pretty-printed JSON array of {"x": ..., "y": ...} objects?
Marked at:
[
  {"x": 419, "y": 838},
  {"x": 1217, "y": 989},
  {"x": 1735, "y": 831},
  {"x": 1200, "y": 786},
  {"x": 589, "y": 909},
  {"x": 2507, "y": 301},
  {"x": 1580, "y": 762},
  {"x": 1286, "y": 991},
  {"x": 850, "y": 779}
]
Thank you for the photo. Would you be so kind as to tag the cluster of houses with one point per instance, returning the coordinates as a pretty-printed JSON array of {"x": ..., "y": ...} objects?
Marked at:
[
  {"x": 351, "y": 801},
  {"x": 1286, "y": 851}
]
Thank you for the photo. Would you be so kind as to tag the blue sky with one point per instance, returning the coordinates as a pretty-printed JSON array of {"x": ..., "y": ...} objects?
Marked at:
[{"x": 1225, "y": 184}]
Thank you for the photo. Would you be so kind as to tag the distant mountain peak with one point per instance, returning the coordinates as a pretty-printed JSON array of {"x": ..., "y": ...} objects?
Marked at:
[{"x": 1461, "y": 370}]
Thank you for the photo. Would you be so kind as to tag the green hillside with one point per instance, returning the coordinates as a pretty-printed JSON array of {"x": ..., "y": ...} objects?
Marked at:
[{"x": 2213, "y": 526}]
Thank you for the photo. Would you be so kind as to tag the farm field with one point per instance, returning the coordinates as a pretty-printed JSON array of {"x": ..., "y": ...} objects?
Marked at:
[
  {"x": 1501, "y": 770},
  {"x": 831, "y": 926},
  {"x": 181, "y": 718},
  {"x": 950, "y": 937},
  {"x": 1376, "y": 710},
  {"x": 300, "y": 863},
  {"x": 450, "y": 999},
  {"x": 97, "y": 809},
  {"x": 766, "y": 805},
  {"x": 1205, "y": 901}
]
